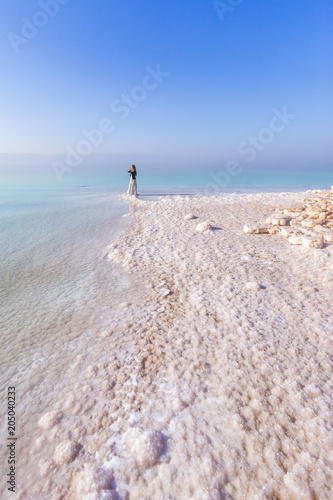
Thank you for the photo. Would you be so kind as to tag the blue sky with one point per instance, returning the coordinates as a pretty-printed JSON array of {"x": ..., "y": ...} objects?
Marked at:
[{"x": 225, "y": 78}]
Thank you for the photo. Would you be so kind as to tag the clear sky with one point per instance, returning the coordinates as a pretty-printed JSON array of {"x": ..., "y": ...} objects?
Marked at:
[{"x": 186, "y": 81}]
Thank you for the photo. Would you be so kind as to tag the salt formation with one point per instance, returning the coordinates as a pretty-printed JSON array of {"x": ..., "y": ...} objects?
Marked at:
[
  {"x": 66, "y": 452},
  {"x": 296, "y": 239},
  {"x": 253, "y": 286},
  {"x": 50, "y": 419},
  {"x": 311, "y": 242},
  {"x": 309, "y": 224},
  {"x": 280, "y": 220},
  {"x": 213, "y": 391},
  {"x": 328, "y": 237},
  {"x": 255, "y": 229},
  {"x": 145, "y": 447},
  {"x": 204, "y": 227},
  {"x": 190, "y": 217},
  {"x": 236, "y": 379},
  {"x": 94, "y": 484}
]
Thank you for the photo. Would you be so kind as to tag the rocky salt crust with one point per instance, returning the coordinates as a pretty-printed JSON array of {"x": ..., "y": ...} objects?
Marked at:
[
  {"x": 309, "y": 224},
  {"x": 239, "y": 382},
  {"x": 220, "y": 388}
]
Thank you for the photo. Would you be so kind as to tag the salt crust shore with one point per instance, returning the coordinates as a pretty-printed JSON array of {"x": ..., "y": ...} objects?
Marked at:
[
  {"x": 247, "y": 373},
  {"x": 219, "y": 383}
]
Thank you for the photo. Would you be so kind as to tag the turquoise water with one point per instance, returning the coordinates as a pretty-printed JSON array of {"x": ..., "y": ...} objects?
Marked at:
[
  {"x": 54, "y": 277},
  {"x": 173, "y": 181},
  {"x": 219, "y": 181},
  {"x": 58, "y": 294}
]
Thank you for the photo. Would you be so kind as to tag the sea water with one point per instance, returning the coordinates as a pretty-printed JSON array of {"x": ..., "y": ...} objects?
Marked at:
[
  {"x": 56, "y": 284},
  {"x": 213, "y": 181},
  {"x": 208, "y": 180},
  {"x": 58, "y": 291}
]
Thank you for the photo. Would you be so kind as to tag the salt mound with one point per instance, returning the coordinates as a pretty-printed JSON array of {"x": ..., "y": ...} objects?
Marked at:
[
  {"x": 255, "y": 229},
  {"x": 190, "y": 217},
  {"x": 310, "y": 242},
  {"x": 328, "y": 237},
  {"x": 50, "y": 419},
  {"x": 287, "y": 231},
  {"x": 93, "y": 483},
  {"x": 309, "y": 223},
  {"x": 274, "y": 230},
  {"x": 66, "y": 452},
  {"x": 296, "y": 239},
  {"x": 145, "y": 447},
  {"x": 314, "y": 220},
  {"x": 203, "y": 227},
  {"x": 253, "y": 286},
  {"x": 92, "y": 371},
  {"x": 280, "y": 220}
]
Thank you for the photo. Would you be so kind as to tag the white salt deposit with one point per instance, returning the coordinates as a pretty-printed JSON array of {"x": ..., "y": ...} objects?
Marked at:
[
  {"x": 212, "y": 391},
  {"x": 255, "y": 228},
  {"x": 287, "y": 231},
  {"x": 145, "y": 447},
  {"x": 190, "y": 217},
  {"x": 309, "y": 223},
  {"x": 296, "y": 239},
  {"x": 50, "y": 419},
  {"x": 328, "y": 237},
  {"x": 66, "y": 452},
  {"x": 280, "y": 220},
  {"x": 204, "y": 227},
  {"x": 93, "y": 483},
  {"x": 253, "y": 286},
  {"x": 311, "y": 242},
  {"x": 239, "y": 380}
]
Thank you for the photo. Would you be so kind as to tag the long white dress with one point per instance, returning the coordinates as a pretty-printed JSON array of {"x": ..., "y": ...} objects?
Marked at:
[{"x": 132, "y": 188}]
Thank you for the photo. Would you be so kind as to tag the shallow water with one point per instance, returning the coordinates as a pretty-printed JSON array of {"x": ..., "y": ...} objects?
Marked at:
[
  {"x": 168, "y": 179},
  {"x": 53, "y": 272},
  {"x": 57, "y": 291}
]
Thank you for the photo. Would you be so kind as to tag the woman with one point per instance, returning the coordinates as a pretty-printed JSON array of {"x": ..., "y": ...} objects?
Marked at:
[{"x": 132, "y": 188}]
